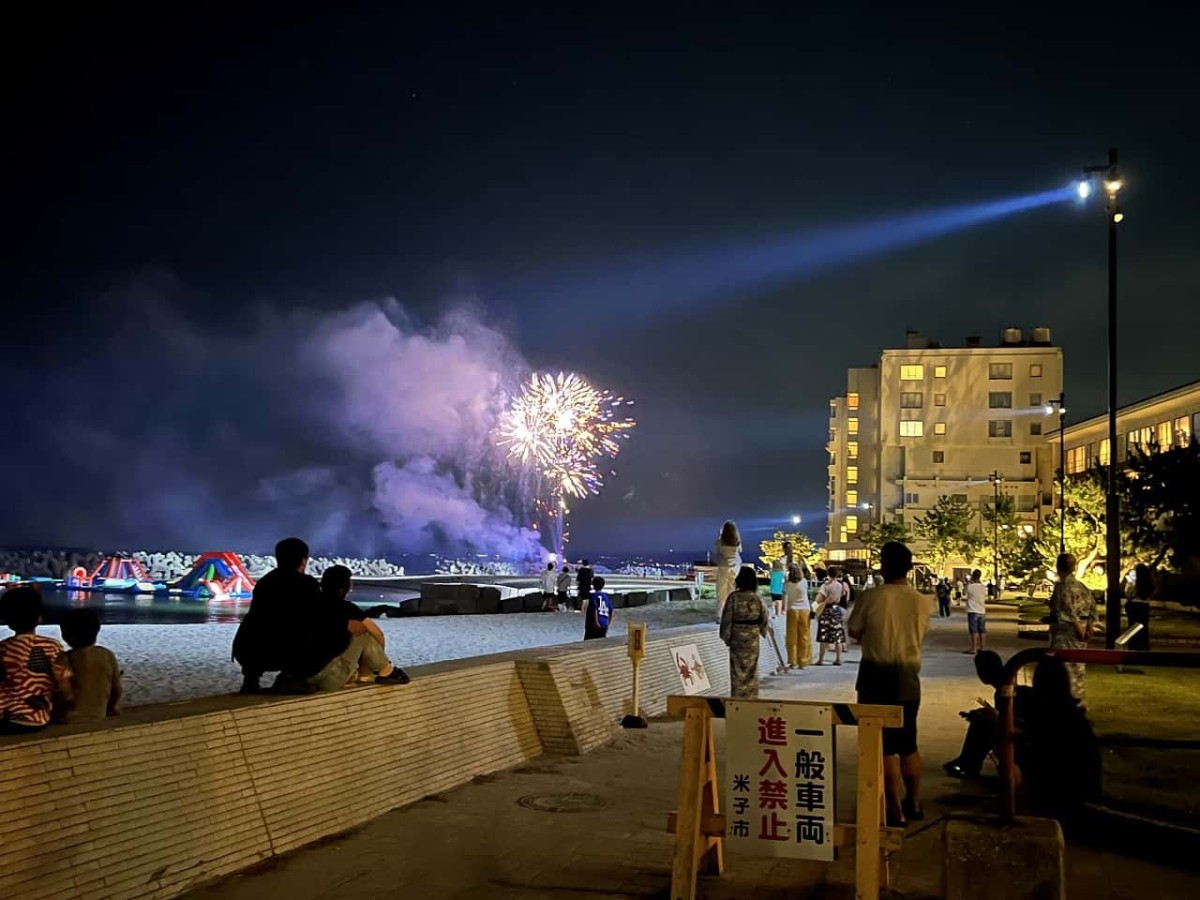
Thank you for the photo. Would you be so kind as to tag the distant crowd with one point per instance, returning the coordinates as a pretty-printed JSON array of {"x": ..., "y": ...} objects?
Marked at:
[{"x": 889, "y": 619}]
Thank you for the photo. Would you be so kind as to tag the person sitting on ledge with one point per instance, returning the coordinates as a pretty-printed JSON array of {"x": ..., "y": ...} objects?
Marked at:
[
  {"x": 983, "y": 723},
  {"x": 275, "y": 634},
  {"x": 350, "y": 644},
  {"x": 33, "y": 668},
  {"x": 95, "y": 674}
]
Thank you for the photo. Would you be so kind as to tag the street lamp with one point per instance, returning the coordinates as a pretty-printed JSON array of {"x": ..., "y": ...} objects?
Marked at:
[
  {"x": 995, "y": 479},
  {"x": 866, "y": 507},
  {"x": 1113, "y": 183},
  {"x": 795, "y": 520},
  {"x": 1051, "y": 407}
]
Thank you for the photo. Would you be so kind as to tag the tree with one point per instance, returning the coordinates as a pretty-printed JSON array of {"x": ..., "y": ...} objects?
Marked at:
[
  {"x": 803, "y": 548},
  {"x": 1084, "y": 530},
  {"x": 1160, "y": 504},
  {"x": 875, "y": 536},
  {"x": 947, "y": 532},
  {"x": 1013, "y": 543}
]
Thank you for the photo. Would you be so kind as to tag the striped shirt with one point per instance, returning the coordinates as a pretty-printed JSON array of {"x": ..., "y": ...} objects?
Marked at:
[{"x": 27, "y": 683}]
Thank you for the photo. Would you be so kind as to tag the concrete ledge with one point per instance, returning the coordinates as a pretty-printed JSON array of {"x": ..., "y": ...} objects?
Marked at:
[
  {"x": 985, "y": 859},
  {"x": 149, "y": 804}
]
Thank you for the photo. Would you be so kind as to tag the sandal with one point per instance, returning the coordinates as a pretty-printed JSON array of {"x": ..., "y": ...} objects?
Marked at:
[{"x": 913, "y": 810}]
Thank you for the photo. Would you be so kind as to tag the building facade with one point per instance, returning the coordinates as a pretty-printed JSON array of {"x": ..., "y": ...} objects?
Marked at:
[
  {"x": 1165, "y": 420},
  {"x": 933, "y": 421}
]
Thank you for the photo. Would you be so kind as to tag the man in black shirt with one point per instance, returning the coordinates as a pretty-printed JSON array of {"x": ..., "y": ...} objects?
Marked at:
[
  {"x": 275, "y": 635},
  {"x": 347, "y": 643}
]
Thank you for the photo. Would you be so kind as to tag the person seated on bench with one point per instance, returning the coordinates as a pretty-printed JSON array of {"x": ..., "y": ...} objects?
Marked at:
[
  {"x": 275, "y": 634},
  {"x": 348, "y": 646},
  {"x": 33, "y": 668},
  {"x": 983, "y": 723}
]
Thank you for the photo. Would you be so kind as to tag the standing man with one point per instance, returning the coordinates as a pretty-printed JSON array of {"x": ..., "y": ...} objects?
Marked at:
[
  {"x": 549, "y": 589},
  {"x": 583, "y": 585},
  {"x": 977, "y": 596},
  {"x": 564, "y": 587},
  {"x": 943, "y": 597},
  {"x": 890, "y": 622},
  {"x": 1072, "y": 614}
]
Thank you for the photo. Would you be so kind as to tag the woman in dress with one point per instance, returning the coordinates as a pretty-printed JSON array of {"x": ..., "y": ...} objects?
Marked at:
[
  {"x": 727, "y": 557},
  {"x": 831, "y": 631},
  {"x": 744, "y": 623}
]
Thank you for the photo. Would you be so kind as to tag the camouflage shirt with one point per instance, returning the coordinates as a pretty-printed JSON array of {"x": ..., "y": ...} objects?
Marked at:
[{"x": 1071, "y": 602}]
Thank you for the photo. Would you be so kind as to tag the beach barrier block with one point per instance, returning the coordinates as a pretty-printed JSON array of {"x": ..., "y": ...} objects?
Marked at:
[
  {"x": 636, "y": 598},
  {"x": 619, "y": 601},
  {"x": 466, "y": 597},
  {"x": 488, "y": 600},
  {"x": 680, "y": 595},
  {"x": 532, "y": 602},
  {"x": 660, "y": 596},
  {"x": 511, "y": 604}
]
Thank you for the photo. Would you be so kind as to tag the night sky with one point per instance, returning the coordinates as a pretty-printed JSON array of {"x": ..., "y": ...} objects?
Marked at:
[{"x": 193, "y": 199}]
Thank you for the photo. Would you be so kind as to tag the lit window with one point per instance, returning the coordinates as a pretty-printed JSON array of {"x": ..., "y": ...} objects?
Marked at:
[
  {"x": 844, "y": 536},
  {"x": 1035, "y": 428},
  {"x": 852, "y": 425},
  {"x": 852, "y": 449},
  {"x": 852, "y": 524},
  {"x": 1035, "y": 399},
  {"x": 1140, "y": 437},
  {"x": 912, "y": 429},
  {"x": 1076, "y": 460},
  {"x": 851, "y": 474},
  {"x": 1166, "y": 435},
  {"x": 1183, "y": 431},
  {"x": 939, "y": 456},
  {"x": 1000, "y": 428},
  {"x": 939, "y": 427},
  {"x": 1000, "y": 371},
  {"x": 1104, "y": 454},
  {"x": 852, "y": 498},
  {"x": 1035, "y": 370},
  {"x": 1000, "y": 400},
  {"x": 833, "y": 409},
  {"x": 939, "y": 371},
  {"x": 912, "y": 373},
  {"x": 912, "y": 400},
  {"x": 939, "y": 399},
  {"x": 852, "y": 401}
]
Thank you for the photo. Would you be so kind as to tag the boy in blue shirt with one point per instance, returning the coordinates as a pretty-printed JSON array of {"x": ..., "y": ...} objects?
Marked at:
[
  {"x": 599, "y": 612},
  {"x": 777, "y": 578}
]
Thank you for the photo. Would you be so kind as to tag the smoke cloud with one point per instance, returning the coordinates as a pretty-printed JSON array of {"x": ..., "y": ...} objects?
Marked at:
[{"x": 362, "y": 430}]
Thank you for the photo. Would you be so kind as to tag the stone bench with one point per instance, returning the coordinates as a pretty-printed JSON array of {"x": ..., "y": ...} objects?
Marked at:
[{"x": 163, "y": 797}]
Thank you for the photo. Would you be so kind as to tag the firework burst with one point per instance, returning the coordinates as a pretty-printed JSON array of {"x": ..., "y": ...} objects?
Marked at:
[{"x": 563, "y": 428}]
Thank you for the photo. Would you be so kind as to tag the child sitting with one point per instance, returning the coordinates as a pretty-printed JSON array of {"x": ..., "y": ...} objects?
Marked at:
[
  {"x": 33, "y": 668},
  {"x": 96, "y": 677},
  {"x": 598, "y": 613}
]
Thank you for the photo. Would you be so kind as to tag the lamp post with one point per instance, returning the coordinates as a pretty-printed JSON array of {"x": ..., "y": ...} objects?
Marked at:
[
  {"x": 1112, "y": 505},
  {"x": 995, "y": 479},
  {"x": 1060, "y": 405},
  {"x": 867, "y": 507}
]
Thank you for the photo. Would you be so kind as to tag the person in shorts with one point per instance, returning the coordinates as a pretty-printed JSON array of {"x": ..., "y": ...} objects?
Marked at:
[
  {"x": 890, "y": 622},
  {"x": 977, "y": 595},
  {"x": 777, "y": 580}
]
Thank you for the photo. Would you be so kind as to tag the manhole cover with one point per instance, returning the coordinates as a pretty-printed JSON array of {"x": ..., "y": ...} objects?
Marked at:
[{"x": 563, "y": 803}]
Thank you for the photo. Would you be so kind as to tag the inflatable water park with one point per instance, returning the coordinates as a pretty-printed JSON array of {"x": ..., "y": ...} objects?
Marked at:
[{"x": 216, "y": 575}]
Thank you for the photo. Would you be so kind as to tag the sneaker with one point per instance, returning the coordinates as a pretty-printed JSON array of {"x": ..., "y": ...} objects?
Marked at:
[{"x": 396, "y": 676}]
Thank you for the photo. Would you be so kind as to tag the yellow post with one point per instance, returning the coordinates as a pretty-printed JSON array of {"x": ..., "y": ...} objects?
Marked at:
[
  {"x": 693, "y": 770},
  {"x": 636, "y": 645},
  {"x": 870, "y": 809}
]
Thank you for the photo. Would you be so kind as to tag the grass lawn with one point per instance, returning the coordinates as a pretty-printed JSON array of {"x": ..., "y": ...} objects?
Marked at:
[{"x": 1157, "y": 704}]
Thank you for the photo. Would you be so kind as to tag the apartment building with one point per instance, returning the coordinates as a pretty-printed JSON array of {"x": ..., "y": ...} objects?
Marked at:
[
  {"x": 932, "y": 420},
  {"x": 1164, "y": 420}
]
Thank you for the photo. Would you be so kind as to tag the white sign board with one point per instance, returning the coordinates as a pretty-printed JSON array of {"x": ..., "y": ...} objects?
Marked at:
[
  {"x": 692, "y": 674},
  {"x": 780, "y": 779}
]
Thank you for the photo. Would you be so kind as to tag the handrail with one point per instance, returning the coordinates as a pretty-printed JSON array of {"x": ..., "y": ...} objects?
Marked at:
[{"x": 1032, "y": 655}]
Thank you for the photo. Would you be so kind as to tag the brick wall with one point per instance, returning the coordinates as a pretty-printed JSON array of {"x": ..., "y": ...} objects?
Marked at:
[{"x": 148, "y": 805}]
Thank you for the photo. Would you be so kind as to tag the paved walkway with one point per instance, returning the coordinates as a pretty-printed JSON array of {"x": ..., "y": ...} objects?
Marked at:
[{"x": 484, "y": 841}]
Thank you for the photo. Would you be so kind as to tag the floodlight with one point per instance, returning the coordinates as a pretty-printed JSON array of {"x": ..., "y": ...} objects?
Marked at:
[
  {"x": 1112, "y": 181},
  {"x": 1084, "y": 188}
]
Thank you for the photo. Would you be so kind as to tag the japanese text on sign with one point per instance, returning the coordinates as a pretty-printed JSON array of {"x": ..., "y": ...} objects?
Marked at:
[{"x": 781, "y": 779}]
